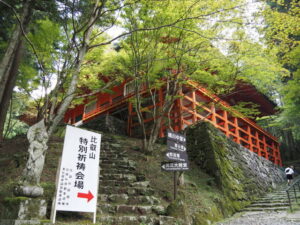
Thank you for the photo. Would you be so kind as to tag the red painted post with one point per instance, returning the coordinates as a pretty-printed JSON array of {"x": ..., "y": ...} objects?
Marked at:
[{"x": 194, "y": 106}]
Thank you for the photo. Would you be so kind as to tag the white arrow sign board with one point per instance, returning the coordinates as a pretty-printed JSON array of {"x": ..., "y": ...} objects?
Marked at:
[{"x": 77, "y": 187}]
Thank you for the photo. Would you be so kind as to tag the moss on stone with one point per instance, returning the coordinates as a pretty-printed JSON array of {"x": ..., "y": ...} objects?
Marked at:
[
  {"x": 177, "y": 209},
  {"x": 14, "y": 200},
  {"x": 220, "y": 157},
  {"x": 49, "y": 189}
]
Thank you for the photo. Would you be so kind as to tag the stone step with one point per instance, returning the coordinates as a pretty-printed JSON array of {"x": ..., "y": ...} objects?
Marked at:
[
  {"x": 267, "y": 205},
  {"x": 106, "y": 208},
  {"x": 123, "y": 183},
  {"x": 276, "y": 197},
  {"x": 104, "y": 171},
  {"x": 142, "y": 184},
  {"x": 137, "y": 220},
  {"x": 116, "y": 166},
  {"x": 122, "y": 177},
  {"x": 119, "y": 177},
  {"x": 128, "y": 220},
  {"x": 112, "y": 157},
  {"x": 283, "y": 194},
  {"x": 129, "y": 200},
  {"x": 271, "y": 201},
  {"x": 118, "y": 162},
  {"x": 116, "y": 145},
  {"x": 126, "y": 190},
  {"x": 115, "y": 183},
  {"x": 257, "y": 209},
  {"x": 111, "y": 152}
]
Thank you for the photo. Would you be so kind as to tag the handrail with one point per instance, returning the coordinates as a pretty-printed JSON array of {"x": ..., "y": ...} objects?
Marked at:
[{"x": 293, "y": 185}]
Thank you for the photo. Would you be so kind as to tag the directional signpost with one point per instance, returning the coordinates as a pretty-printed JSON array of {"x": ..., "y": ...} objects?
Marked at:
[
  {"x": 173, "y": 166},
  {"x": 77, "y": 186},
  {"x": 176, "y": 156}
]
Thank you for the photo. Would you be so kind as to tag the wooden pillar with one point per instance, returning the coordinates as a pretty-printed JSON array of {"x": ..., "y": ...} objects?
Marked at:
[
  {"x": 273, "y": 150},
  {"x": 237, "y": 133},
  {"x": 194, "y": 106},
  {"x": 249, "y": 137},
  {"x": 265, "y": 147},
  {"x": 213, "y": 114},
  {"x": 226, "y": 123},
  {"x": 110, "y": 100},
  {"x": 277, "y": 147},
  {"x": 257, "y": 143}
]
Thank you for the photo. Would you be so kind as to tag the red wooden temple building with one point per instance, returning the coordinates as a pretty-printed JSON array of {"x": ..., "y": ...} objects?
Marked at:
[{"x": 185, "y": 112}]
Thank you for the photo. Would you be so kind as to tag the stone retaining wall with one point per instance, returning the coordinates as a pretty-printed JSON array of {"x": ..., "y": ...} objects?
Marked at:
[{"x": 239, "y": 173}]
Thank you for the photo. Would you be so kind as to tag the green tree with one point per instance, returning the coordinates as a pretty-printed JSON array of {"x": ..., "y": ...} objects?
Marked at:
[
  {"x": 11, "y": 59},
  {"x": 165, "y": 58},
  {"x": 15, "y": 54},
  {"x": 77, "y": 21},
  {"x": 282, "y": 38},
  {"x": 17, "y": 107}
]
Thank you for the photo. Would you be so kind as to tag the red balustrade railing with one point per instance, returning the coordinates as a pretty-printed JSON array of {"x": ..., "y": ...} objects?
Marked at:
[{"x": 199, "y": 104}]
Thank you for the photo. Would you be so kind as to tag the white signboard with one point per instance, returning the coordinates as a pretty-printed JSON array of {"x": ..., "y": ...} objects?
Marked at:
[{"x": 77, "y": 187}]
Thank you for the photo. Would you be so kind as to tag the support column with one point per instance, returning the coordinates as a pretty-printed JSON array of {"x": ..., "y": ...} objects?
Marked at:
[
  {"x": 213, "y": 114},
  {"x": 249, "y": 138},
  {"x": 194, "y": 106},
  {"x": 257, "y": 142},
  {"x": 265, "y": 147},
  {"x": 237, "y": 133},
  {"x": 226, "y": 123}
]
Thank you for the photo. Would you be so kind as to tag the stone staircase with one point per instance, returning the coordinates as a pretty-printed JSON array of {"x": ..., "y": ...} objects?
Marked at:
[
  {"x": 125, "y": 197},
  {"x": 275, "y": 201}
]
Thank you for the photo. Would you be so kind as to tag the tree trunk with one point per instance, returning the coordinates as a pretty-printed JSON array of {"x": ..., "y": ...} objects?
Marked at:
[
  {"x": 10, "y": 64},
  {"x": 4, "y": 104},
  {"x": 39, "y": 134},
  {"x": 157, "y": 123},
  {"x": 9, "y": 55},
  {"x": 289, "y": 140}
]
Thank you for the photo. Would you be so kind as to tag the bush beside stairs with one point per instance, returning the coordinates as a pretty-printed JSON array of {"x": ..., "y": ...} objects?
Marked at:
[{"x": 125, "y": 197}]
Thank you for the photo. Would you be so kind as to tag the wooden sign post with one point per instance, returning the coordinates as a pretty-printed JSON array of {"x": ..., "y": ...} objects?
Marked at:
[{"x": 176, "y": 156}]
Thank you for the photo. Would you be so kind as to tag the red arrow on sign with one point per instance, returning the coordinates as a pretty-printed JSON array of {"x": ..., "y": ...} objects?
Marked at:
[{"x": 89, "y": 196}]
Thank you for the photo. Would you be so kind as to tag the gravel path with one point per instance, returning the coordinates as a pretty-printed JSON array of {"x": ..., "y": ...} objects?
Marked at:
[{"x": 263, "y": 218}]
